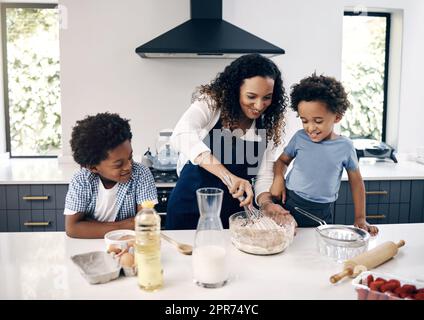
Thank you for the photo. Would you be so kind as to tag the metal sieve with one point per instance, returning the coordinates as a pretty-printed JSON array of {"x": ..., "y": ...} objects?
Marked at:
[{"x": 338, "y": 241}]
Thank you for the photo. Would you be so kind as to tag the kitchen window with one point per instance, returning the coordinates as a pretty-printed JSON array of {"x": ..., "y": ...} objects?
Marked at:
[
  {"x": 31, "y": 69},
  {"x": 365, "y": 73}
]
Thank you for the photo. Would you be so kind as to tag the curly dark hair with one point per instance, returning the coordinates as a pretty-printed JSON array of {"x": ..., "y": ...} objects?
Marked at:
[
  {"x": 94, "y": 136},
  {"x": 320, "y": 88},
  {"x": 224, "y": 91}
]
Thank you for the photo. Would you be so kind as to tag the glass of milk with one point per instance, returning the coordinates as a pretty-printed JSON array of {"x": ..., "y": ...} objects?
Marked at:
[{"x": 210, "y": 256}]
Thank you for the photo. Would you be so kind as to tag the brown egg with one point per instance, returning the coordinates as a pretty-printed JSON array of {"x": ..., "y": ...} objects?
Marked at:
[
  {"x": 131, "y": 243},
  {"x": 127, "y": 260},
  {"x": 113, "y": 248}
]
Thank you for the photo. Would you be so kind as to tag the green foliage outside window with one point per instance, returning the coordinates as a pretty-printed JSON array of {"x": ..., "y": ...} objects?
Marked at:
[
  {"x": 364, "y": 43},
  {"x": 33, "y": 81}
]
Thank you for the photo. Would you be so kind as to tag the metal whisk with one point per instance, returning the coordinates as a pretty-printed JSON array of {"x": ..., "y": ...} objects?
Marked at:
[{"x": 254, "y": 216}]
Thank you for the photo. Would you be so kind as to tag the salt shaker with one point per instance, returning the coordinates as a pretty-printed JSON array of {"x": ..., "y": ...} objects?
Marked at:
[{"x": 210, "y": 256}]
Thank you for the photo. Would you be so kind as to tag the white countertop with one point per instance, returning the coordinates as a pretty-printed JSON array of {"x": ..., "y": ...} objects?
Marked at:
[
  {"x": 38, "y": 266},
  {"x": 51, "y": 171},
  {"x": 42, "y": 171}
]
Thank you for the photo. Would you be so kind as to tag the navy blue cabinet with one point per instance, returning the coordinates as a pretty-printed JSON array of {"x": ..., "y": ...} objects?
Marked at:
[
  {"x": 387, "y": 201},
  {"x": 417, "y": 201},
  {"x": 32, "y": 207}
]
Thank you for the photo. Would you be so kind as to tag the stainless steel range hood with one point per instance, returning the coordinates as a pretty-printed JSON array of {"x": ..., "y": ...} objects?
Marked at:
[{"x": 206, "y": 35}]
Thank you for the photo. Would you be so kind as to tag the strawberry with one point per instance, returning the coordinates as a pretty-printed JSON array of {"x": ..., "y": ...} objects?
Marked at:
[
  {"x": 408, "y": 288},
  {"x": 370, "y": 279},
  {"x": 389, "y": 286},
  {"x": 404, "y": 295},
  {"x": 419, "y": 296},
  {"x": 375, "y": 285},
  {"x": 395, "y": 282}
]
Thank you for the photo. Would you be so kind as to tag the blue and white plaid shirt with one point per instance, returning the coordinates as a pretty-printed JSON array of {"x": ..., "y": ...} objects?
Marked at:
[{"x": 84, "y": 188}]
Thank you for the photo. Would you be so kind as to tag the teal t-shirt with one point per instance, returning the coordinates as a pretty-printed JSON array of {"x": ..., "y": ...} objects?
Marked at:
[{"x": 318, "y": 166}]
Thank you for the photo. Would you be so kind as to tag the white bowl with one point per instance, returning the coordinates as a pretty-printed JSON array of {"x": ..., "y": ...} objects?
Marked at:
[{"x": 120, "y": 239}]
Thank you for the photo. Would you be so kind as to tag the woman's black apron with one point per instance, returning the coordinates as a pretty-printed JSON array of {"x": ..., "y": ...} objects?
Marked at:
[{"x": 183, "y": 211}]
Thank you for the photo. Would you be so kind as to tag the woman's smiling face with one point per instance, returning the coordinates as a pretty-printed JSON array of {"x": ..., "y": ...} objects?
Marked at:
[
  {"x": 317, "y": 120},
  {"x": 256, "y": 96}
]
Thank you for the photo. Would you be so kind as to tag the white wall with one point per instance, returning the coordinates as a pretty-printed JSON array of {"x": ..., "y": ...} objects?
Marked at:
[
  {"x": 411, "y": 95},
  {"x": 100, "y": 71}
]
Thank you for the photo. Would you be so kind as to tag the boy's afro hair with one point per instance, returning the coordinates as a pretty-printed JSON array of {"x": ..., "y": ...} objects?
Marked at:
[
  {"x": 94, "y": 136},
  {"x": 320, "y": 88}
]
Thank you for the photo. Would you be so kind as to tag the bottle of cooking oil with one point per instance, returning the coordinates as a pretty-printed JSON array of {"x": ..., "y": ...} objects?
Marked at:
[{"x": 147, "y": 248}]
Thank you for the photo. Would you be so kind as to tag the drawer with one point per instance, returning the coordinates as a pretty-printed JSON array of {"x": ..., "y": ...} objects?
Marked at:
[
  {"x": 37, "y": 220},
  {"x": 375, "y": 213},
  {"x": 3, "y": 221},
  {"x": 395, "y": 191},
  {"x": 35, "y": 197},
  {"x": 60, "y": 220},
  {"x": 2, "y": 197},
  {"x": 417, "y": 202},
  {"x": 384, "y": 191},
  {"x": 28, "y": 220}
]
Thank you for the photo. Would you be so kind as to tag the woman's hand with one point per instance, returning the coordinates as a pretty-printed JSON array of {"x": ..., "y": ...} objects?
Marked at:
[
  {"x": 238, "y": 188},
  {"x": 363, "y": 224},
  {"x": 278, "y": 189}
]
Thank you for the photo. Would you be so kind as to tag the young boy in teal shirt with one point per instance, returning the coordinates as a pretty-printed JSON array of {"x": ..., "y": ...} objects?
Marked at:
[{"x": 319, "y": 155}]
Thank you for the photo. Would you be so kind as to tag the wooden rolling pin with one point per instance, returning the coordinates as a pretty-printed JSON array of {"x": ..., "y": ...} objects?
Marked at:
[{"x": 368, "y": 260}]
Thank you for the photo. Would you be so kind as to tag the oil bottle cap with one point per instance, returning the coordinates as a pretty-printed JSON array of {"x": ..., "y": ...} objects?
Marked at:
[{"x": 148, "y": 204}]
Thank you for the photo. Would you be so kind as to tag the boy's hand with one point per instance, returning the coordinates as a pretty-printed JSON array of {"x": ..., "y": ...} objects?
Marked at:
[
  {"x": 276, "y": 212},
  {"x": 363, "y": 224},
  {"x": 278, "y": 189}
]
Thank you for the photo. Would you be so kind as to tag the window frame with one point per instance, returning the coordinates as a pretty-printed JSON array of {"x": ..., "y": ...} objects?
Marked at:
[
  {"x": 3, "y": 7},
  {"x": 388, "y": 17}
]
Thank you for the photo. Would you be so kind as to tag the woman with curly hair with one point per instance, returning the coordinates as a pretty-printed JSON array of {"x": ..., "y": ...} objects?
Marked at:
[
  {"x": 321, "y": 155},
  {"x": 233, "y": 124}
]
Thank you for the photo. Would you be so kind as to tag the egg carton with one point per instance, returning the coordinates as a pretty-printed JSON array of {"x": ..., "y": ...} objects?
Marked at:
[
  {"x": 97, "y": 267},
  {"x": 100, "y": 267},
  {"x": 128, "y": 270}
]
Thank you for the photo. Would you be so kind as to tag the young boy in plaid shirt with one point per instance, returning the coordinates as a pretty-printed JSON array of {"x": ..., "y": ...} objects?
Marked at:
[{"x": 107, "y": 192}]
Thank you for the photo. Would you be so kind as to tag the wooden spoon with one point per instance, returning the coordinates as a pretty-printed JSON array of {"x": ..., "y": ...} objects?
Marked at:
[{"x": 182, "y": 247}]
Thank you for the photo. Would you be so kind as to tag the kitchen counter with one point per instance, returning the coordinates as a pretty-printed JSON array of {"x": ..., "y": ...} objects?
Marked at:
[
  {"x": 51, "y": 171},
  {"x": 38, "y": 266},
  {"x": 42, "y": 171}
]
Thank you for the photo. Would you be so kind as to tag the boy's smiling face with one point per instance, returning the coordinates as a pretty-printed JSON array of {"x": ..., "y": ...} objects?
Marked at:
[
  {"x": 117, "y": 167},
  {"x": 318, "y": 121}
]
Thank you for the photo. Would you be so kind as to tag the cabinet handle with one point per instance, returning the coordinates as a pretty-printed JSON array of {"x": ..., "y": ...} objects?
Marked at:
[
  {"x": 381, "y": 193},
  {"x": 36, "y": 224},
  {"x": 35, "y": 197},
  {"x": 376, "y": 216}
]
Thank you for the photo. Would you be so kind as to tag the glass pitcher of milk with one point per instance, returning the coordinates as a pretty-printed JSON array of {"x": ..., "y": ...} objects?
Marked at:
[{"x": 210, "y": 256}]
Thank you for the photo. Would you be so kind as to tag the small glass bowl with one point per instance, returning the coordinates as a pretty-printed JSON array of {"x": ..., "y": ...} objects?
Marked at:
[{"x": 341, "y": 242}]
